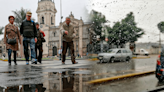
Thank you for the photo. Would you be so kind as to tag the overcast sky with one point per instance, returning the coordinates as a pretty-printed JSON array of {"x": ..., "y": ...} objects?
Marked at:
[{"x": 148, "y": 13}]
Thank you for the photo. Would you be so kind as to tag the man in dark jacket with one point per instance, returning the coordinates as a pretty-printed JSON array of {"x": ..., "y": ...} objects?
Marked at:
[
  {"x": 29, "y": 32},
  {"x": 39, "y": 43}
]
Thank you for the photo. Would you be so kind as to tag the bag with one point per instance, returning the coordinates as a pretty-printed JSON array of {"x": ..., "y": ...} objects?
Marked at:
[
  {"x": 12, "y": 41},
  {"x": 43, "y": 40}
]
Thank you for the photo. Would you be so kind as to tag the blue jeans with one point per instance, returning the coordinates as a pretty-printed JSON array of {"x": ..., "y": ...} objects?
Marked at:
[
  {"x": 26, "y": 42},
  {"x": 9, "y": 55}
]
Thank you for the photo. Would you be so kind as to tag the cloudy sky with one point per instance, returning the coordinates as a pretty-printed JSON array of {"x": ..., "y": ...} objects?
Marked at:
[
  {"x": 148, "y": 13},
  {"x": 76, "y": 6}
]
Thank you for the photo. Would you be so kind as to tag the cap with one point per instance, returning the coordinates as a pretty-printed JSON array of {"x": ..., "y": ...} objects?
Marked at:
[
  {"x": 36, "y": 23},
  {"x": 29, "y": 13}
]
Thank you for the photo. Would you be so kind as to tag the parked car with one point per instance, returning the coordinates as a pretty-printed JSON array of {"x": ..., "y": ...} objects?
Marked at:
[
  {"x": 112, "y": 55},
  {"x": 141, "y": 52}
]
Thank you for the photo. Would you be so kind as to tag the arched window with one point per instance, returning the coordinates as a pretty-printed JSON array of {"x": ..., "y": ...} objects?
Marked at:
[
  {"x": 52, "y": 21},
  {"x": 42, "y": 20}
]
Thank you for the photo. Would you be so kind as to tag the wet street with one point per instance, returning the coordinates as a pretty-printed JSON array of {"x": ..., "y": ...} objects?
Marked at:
[
  {"x": 138, "y": 84},
  {"x": 52, "y": 76}
]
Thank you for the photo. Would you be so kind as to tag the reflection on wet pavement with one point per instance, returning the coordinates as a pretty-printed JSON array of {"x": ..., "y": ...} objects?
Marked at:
[{"x": 45, "y": 77}]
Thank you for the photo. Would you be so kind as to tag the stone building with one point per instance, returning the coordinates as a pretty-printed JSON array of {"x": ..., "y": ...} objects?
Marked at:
[{"x": 46, "y": 13}]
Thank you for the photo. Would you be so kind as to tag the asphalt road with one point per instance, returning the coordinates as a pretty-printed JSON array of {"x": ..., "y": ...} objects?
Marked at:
[
  {"x": 52, "y": 76},
  {"x": 137, "y": 84},
  {"x": 104, "y": 70}
]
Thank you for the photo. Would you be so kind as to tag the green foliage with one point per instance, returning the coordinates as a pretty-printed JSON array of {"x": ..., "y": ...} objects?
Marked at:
[
  {"x": 97, "y": 20},
  {"x": 1, "y": 29},
  {"x": 20, "y": 16},
  {"x": 124, "y": 31},
  {"x": 161, "y": 26}
]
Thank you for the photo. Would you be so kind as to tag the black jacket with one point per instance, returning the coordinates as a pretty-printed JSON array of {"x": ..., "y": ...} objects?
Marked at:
[
  {"x": 39, "y": 38},
  {"x": 28, "y": 29}
]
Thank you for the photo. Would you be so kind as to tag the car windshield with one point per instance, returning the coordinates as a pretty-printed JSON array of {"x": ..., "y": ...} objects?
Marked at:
[{"x": 112, "y": 51}]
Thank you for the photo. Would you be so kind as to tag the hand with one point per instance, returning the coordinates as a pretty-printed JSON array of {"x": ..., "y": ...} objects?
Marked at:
[
  {"x": 106, "y": 39},
  {"x": 35, "y": 40},
  {"x": 66, "y": 32}
]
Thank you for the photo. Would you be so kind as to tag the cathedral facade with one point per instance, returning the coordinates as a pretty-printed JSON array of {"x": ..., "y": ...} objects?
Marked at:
[{"x": 46, "y": 13}]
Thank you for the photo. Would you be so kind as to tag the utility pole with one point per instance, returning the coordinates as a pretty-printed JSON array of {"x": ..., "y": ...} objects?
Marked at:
[
  {"x": 159, "y": 41},
  {"x": 61, "y": 20}
]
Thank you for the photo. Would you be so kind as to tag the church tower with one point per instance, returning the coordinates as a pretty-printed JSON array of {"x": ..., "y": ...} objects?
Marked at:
[{"x": 46, "y": 13}]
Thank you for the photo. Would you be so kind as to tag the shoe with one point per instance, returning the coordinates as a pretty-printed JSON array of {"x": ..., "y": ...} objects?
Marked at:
[
  {"x": 63, "y": 63},
  {"x": 74, "y": 62},
  {"x": 34, "y": 62},
  {"x": 9, "y": 64},
  {"x": 15, "y": 63},
  {"x": 27, "y": 63}
]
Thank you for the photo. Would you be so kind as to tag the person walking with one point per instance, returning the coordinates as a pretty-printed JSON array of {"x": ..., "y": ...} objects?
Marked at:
[
  {"x": 60, "y": 53},
  {"x": 68, "y": 33},
  {"x": 29, "y": 32},
  {"x": 39, "y": 43},
  {"x": 11, "y": 39}
]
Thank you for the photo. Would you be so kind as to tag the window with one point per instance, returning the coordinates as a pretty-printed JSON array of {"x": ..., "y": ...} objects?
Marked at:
[
  {"x": 119, "y": 51},
  {"x": 42, "y": 20},
  {"x": 52, "y": 21},
  {"x": 124, "y": 51},
  {"x": 54, "y": 34}
]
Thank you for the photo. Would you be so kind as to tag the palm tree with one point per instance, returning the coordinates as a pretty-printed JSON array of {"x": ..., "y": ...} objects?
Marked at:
[
  {"x": 1, "y": 29},
  {"x": 20, "y": 16}
]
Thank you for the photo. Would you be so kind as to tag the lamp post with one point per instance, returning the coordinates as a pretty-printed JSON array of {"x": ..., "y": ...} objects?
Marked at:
[{"x": 103, "y": 33}]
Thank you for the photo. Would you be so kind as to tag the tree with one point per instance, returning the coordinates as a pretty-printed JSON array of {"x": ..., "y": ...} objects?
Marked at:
[
  {"x": 124, "y": 31},
  {"x": 1, "y": 29},
  {"x": 161, "y": 26},
  {"x": 97, "y": 20},
  {"x": 20, "y": 16}
]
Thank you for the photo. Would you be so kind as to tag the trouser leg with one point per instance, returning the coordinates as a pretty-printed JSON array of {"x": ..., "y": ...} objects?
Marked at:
[
  {"x": 71, "y": 46},
  {"x": 64, "y": 51},
  {"x": 40, "y": 54},
  {"x": 25, "y": 45},
  {"x": 9, "y": 55},
  {"x": 32, "y": 47},
  {"x": 15, "y": 56}
]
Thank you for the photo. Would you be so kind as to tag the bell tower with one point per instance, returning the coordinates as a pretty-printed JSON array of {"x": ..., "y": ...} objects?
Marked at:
[{"x": 46, "y": 13}]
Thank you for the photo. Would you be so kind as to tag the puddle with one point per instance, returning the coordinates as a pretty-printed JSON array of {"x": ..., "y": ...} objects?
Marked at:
[{"x": 40, "y": 79}]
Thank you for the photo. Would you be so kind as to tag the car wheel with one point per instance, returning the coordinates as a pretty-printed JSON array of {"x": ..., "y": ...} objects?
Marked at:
[
  {"x": 128, "y": 59},
  {"x": 112, "y": 59}
]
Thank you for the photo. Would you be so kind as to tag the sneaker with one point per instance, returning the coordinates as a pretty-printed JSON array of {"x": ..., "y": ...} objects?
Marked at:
[{"x": 27, "y": 63}]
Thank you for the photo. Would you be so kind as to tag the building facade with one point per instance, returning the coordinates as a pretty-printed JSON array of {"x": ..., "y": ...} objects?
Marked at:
[{"x": 46, "y": 12}]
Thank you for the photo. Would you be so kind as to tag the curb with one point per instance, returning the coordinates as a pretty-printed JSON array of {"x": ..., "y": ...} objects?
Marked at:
[
  {"x": 95, "y": 59},
  {"x": 118, "y": 77}
]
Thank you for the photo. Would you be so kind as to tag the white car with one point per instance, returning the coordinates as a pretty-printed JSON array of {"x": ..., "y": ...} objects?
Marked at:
[{"x": 121, "y": 54}]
